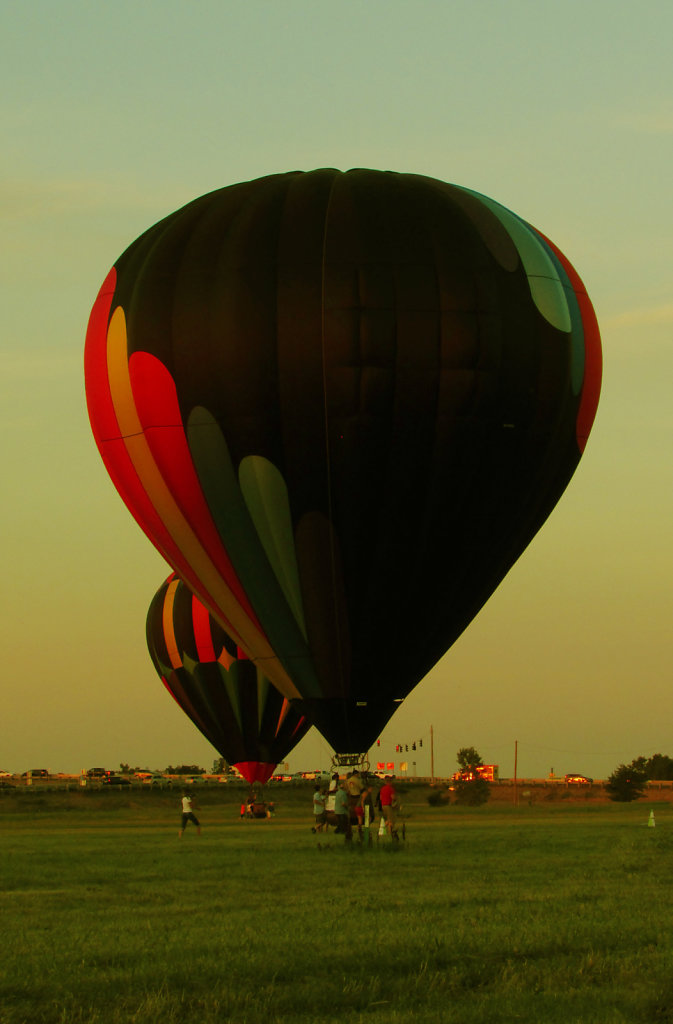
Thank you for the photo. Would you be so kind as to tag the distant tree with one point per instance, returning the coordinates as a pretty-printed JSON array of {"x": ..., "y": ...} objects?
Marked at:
[
  {"x": 470, "y": 788},
  {"x": 220, "y": 766},
  {"x": 659, "y": 768},
  {"x": 124, "y": 769},
  {"x": 468, "y": 759},
  {"x": 628, "y": 781},
  {"x": 184, "y": 769}
]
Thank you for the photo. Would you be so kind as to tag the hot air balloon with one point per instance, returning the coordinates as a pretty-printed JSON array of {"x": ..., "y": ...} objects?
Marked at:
[
  {"x": 341, "y": 405},
  {"x": 225, "y": 695}
]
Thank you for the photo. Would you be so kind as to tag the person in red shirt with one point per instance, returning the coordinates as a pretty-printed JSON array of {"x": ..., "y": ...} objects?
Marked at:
[{"x": 388, "y": 798}]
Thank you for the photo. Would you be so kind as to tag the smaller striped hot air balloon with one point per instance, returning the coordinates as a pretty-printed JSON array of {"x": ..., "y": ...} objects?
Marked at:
[{"x": 226, "y": 696}]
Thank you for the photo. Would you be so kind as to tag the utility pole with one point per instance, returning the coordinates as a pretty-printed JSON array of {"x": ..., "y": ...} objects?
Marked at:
[
  {"x": 432, "y": 757},
  {"x": 516, "y": 791}
]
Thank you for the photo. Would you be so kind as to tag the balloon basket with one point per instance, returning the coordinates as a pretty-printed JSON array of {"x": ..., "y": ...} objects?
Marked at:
[{"x": 352, "y": 761}]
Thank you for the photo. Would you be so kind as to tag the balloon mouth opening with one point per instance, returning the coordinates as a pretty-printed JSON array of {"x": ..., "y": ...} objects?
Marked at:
[{"x": 255, "y": 771}]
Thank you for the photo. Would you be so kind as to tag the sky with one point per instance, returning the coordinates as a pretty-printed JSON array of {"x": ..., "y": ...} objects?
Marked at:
[{"x": 114, "y": 115}]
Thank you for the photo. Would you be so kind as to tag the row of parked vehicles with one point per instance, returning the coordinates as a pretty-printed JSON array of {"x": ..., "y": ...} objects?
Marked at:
[
  {"x": 109, "y": 778},
  {"x": 105, "y": 777},
  {"x": 96, "y": 776},
  {"x": 317, "y": 775}
]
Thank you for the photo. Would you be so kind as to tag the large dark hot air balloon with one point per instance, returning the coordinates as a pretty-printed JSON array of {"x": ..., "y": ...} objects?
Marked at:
[
  {"x": 226, "y": 696},
  {"x": 341, "y": 405}
]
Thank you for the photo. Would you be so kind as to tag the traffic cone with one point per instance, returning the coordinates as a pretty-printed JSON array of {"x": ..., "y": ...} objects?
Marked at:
[{"x": 650, "y": 823}]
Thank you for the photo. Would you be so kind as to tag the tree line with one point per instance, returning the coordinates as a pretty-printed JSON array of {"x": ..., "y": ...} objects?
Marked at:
[
  {"x": 219, "y": 767},
  {"x": 629, "y": 781}
]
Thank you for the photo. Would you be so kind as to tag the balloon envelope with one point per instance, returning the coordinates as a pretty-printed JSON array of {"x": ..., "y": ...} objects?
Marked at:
[
  {"x": 235, "y": 707},
  {"x": 341, "y": 405}
]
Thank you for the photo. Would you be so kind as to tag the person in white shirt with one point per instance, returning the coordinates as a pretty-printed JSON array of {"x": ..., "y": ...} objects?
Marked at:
[{"x": 188, "y": 815}]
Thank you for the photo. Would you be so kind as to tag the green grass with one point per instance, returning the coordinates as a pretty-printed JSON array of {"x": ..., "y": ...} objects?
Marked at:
[{"x": 548, "y": 915}]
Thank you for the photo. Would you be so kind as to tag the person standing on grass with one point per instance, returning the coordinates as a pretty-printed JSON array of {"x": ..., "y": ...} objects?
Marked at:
[
  {"x": 188, "y": 815},
  {"x": 331, "y": 793},
  {"x": 318, "y": 808},
  {"x": 366, "y": 803},
  {"x": 354, "y": 788},
  {"x": 342, "y": 809},
  {"x": 388, "y": 798}
]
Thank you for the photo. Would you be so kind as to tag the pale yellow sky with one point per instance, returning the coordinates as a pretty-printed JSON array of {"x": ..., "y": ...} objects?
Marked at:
[{"x": 113, "y": 117}]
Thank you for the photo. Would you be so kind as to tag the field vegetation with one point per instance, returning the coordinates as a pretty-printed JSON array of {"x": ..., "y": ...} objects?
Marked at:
[{"x": 551, "y": 913}]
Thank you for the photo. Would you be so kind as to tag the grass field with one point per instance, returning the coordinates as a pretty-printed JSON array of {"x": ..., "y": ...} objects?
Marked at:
[{"x": 551, "y": 915}]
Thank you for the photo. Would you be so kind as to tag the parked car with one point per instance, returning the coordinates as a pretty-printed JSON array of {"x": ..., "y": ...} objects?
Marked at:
[
  {"x": 115, "y": 780},
  {"x": 579, "y": 780},
  {"x": 156, "y": 780}
]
